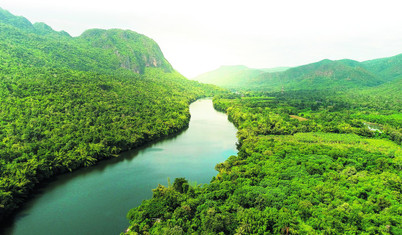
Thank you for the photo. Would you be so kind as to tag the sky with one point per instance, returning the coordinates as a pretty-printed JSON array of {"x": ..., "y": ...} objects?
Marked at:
[{"x": 200, "y": 36}]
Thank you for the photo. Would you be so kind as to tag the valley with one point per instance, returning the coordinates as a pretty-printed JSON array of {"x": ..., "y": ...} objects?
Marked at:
[{"x": 98, "y": 126}]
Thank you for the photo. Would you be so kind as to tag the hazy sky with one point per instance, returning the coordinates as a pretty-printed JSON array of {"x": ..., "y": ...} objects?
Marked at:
[{"x": 198, "y": 36}]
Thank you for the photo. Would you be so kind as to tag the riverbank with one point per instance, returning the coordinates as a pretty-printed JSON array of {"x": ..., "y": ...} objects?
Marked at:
[
  {"x": 288, "y": 176},
  {"x": 81, "y": 201},
  {"x": 7, "y": 215}
]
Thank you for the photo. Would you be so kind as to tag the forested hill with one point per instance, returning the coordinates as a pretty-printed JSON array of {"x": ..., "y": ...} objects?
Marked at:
[
  {"x": 95, "y": 50},
  {"x": 133, "y": 51},
  {"x": 325, "y": 74},
  {"x": 22, "y": 23},
  {"x": 389, "y": 68},
  {"x": 67, "y": 102}
]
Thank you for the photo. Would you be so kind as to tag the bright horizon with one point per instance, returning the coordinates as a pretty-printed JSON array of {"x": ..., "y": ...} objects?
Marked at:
[{"x": 200, "y": 36}]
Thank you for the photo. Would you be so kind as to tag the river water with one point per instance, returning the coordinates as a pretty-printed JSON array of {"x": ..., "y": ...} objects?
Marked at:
[{"x": 96, "y": 200}]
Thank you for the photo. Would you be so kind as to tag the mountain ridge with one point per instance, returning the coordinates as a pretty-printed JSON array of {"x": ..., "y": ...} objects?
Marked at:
[
  {"x": 324, "y": 74},
  {"x": 23, "y": 23},
  {"x": 119, "y": 49},
  {"x": 129, "y": 47}
]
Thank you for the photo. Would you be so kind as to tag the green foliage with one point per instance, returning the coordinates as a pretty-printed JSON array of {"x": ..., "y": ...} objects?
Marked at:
[
  {"x": 328, "y": 174},
  {"x": 69, "y": 102}
]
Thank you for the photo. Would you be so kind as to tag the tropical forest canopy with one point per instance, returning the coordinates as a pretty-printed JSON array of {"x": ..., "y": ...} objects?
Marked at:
[
  {"x": 67, "y": 102},
  {"x": 307, "y": 164},
  {"x": 319, "y": 145},
  {"x": 319, "y": 153}
]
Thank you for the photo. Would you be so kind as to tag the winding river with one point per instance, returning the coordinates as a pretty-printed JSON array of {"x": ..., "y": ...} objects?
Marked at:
[{"x": 96, "y": 200}]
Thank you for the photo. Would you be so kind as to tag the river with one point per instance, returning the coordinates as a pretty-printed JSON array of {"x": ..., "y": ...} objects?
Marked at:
[{"x": 96, "y": 200}]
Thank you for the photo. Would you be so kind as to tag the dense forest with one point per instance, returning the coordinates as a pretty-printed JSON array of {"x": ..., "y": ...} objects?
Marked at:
[
  {"x": 68, "y": 102},
  {"x": 308, "y": 163},
  {"x": 319, "y": 145}
]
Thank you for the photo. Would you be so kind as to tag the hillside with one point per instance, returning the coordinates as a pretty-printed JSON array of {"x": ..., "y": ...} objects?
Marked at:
[
  {"x": 68, "y": 102},
  {"x": 325, "y": 74},
  {"x": 392, "y": 87},
  {"x": 134, "y": 51},
  {"x": 388, "y": 68},
  {"x": 105, "y": 51},
  {"x": 23, "y": 24}
]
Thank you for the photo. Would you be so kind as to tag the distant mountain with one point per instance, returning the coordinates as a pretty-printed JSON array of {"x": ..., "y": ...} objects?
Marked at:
[
  {"x": 233, "y": 76},
  {"x": 320, "y": 75},
  {"x": 22, "y": 23},
  {"x": 133, "y": 50},
  {"x": 325, "y": 74},
  {"x": 17, "y": 21},
  {"x": 44, "y": 29},
  {"x": 96, "y": 49}
]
